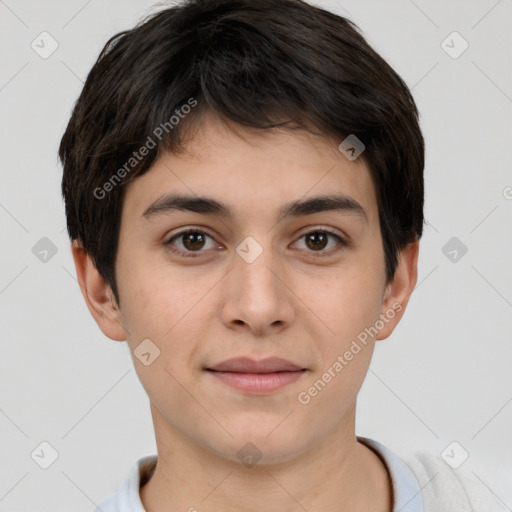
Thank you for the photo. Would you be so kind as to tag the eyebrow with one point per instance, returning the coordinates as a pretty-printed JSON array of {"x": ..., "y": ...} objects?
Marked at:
[{"x": 209, "y": 206}]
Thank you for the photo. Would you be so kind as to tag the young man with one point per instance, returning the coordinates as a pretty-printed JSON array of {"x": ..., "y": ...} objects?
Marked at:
[{"x": 243, "y": 183}]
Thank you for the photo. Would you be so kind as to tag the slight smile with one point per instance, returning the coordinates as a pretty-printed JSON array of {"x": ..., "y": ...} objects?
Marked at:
[{"x": 257, "y": 377}]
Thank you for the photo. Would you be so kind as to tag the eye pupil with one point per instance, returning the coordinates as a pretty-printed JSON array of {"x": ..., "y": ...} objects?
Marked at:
[
  {"x": 196, "y": 240},
  {"x": 317, "y": 238}
]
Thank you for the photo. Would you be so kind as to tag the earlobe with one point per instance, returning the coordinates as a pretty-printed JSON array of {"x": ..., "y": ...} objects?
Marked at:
[
  {"x": 399, "y": 290},
  {"x": 97, "y": 294}
]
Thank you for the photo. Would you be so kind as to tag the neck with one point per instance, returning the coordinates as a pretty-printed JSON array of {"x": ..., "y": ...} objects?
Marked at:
[{"x": 337, "y": 474}]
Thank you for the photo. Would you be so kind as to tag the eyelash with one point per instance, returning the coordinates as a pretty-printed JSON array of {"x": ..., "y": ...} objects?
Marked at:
[{"x": 194, "y": 254}]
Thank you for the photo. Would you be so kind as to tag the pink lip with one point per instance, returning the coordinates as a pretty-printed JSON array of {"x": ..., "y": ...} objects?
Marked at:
[
  {"x": 257, "y": 377},
  {"x": 247, "y": 365}
]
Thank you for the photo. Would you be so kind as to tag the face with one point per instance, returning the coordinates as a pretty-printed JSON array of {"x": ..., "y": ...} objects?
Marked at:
[{"x": 258, "y": 270}]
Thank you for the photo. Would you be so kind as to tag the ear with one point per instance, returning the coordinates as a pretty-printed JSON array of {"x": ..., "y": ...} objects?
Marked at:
[
  {"x": 398, "y": 291},
  {"x": 97, "y": 294}
]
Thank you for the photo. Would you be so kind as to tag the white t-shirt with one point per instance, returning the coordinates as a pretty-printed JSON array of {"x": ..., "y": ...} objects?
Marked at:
[{"x": 424, "y": 484}]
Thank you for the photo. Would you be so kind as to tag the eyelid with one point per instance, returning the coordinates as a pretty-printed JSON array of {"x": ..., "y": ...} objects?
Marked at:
[
  {"x": 191, "y": 229},
  {"x": 325, "y": 229},
  {"x": 343, "y": 240}
]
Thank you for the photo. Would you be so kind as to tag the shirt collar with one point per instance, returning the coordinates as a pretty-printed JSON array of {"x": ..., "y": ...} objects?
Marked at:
[{"x": 406, "y": 489}]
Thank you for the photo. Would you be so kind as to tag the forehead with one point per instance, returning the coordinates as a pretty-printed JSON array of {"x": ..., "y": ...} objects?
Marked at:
[{"x": 253, "y": 171}]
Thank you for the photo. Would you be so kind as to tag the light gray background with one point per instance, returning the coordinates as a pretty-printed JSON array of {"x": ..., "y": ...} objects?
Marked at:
[{"x": 444, "y": 375}]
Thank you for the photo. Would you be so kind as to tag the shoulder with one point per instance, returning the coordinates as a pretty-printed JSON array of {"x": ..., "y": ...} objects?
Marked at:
[
  {"x": 453, "y": 489},
  {"x": 424, "y": 482},
  {"x": 127, "y": 497}
]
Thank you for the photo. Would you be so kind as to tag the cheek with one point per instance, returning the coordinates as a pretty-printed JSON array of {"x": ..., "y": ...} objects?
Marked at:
[
  {"x": 161, "y": 314},
  {"x": 350, "y": 306},
  {"x": 167, "y": 307},
  {"x": 347, "y": 305},
  {"x": 154, "y": 296}
]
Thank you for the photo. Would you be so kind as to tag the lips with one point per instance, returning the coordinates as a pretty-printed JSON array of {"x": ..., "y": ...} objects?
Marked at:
[
  {"x": 256, "y": 377},
  {"x": 247, "y": 365}
]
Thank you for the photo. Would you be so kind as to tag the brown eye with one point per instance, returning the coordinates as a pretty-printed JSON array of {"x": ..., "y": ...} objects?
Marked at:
[
  {"x": 317, "y": 241},
  {"x": 188, "y": 242},
  {"x": 193, "y": 241}
]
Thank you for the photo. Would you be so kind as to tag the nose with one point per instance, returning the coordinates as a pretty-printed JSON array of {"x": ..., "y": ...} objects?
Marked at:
[{"x": 257, "y": 296}]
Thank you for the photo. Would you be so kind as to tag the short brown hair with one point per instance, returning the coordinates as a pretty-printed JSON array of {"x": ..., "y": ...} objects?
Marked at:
[{"x": 260, "y": 63}]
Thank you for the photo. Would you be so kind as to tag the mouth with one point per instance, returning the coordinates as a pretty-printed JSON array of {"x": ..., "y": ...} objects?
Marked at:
[{"x": 257, "y": 377}]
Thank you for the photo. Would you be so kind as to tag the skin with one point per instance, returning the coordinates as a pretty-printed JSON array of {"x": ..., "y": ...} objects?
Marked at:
[{"x": 287, "y": 303}]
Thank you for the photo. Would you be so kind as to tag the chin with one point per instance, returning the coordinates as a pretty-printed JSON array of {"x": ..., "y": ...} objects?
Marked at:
[{"x": 257, "y": 446}]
